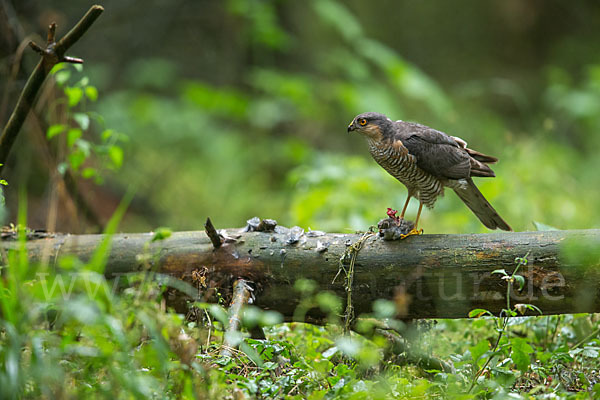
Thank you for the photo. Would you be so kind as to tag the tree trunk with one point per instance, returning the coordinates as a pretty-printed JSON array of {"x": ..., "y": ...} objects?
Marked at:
[{"x": 428, "y": 276}]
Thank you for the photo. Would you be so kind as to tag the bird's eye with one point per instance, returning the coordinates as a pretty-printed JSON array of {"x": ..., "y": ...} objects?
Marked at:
[{"x": 362, "y": 122}]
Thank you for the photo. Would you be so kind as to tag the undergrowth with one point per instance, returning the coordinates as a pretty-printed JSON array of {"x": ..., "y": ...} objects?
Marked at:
[{"x": 70, "y": 333}]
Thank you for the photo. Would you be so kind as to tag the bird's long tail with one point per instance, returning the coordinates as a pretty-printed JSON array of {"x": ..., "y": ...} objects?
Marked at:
[{"x": 473, "y": 198}]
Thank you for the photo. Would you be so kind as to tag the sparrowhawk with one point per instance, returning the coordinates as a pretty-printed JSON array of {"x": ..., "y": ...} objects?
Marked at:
[{"x": 426, "y": 161}]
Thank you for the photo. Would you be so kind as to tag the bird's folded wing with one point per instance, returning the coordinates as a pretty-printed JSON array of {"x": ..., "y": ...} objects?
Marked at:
[{"x": 438, "y": 157}]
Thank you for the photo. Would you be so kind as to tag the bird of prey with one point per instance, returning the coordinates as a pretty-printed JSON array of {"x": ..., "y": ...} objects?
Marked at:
[{"x": 426, "y": 161}]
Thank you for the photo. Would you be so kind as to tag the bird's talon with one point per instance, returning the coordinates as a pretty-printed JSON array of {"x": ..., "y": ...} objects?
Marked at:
[{"x": 411, "y": 233}]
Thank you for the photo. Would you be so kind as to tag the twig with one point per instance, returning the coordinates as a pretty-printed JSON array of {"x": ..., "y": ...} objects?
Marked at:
[
  {"x": 210, "y": 325},
  {"x": 586, "y": 339},
  {"x": 212, "y": 234},
  {"x": 487, "y": 362},
  {"x": 353, "y": 252},
  {"x": 53, "y": 54},
  {"x": 242, "y": 293},
  {"x": 507, "y": 312}
]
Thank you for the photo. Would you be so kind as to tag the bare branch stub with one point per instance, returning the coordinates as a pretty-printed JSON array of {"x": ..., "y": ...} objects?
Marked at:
[
  {"x": 51, "y": 34},
  {"x": 37, "y": 48},
  {"x": 73, "y": 60},
  {"x": 242, "y": 295},
  {"x": 53, "y": 53},
  {"x": 212, "y": 234}
]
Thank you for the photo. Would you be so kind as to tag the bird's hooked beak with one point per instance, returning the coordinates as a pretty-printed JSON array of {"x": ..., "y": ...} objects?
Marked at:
[{"x": 351, "y": 127}]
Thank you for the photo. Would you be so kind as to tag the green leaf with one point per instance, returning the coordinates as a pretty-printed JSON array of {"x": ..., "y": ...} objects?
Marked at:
[
  {"x": 91, "y": 92},
  {"x": 251, "y": 353},
  {"x": 500, "y": 271},
  {"x": 73, "y": 135},
  {"x": 384, "y": 308},
  {"x": 591, "y": 352},
  {"x": 54, "y": 130},
  {"x": 161, "y": 234},
  {"x": 116, "y": 155},
  {"x": 340, "y": 18},
  {"x": 509, "y": 313},
  {"x": 122, "y": 137},
  {"x": 534, "y": 308},
  {"x": 107, "y": 134},
  {"x": 251, "y": 316},
  {"x": 58, "y": 67},
  {"x": 479, "y": 350},
  {"x": 305, "y": 286},
  {"x": 520, "y": 353},
  {"x": 88, "y": 172},
  {"x": 76, "y": 158},
  {"x": 521, "y": 280},
  {"x": 328, "y": 302},
  {"x": 478, "y": 312},
  {"x": 269, "y": 318},
  {"x": 61, "y": 77},
  {"x": 74, "y": 95},
  {"x": 219, "y": 314},
  {"x": 82, "y": 119},
  {"x": 521, "y": 260}
]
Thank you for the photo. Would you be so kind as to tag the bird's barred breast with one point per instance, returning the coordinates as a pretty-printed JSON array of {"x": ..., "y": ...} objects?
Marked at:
[{"x": 403, "y": 167}]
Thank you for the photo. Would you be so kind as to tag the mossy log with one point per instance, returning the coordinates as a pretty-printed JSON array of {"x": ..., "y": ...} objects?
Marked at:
[{"x": 428, "y": 276}]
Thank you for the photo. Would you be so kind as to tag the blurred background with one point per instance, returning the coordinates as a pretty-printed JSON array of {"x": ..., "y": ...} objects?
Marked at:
[{"x": 238, "y": 108}]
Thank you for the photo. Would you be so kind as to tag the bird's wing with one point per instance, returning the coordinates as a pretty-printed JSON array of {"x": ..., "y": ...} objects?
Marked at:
[{"x": 436, "y": 153}]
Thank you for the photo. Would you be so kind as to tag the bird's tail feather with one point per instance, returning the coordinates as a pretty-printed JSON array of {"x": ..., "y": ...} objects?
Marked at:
[{"x": 473, "y": 198}]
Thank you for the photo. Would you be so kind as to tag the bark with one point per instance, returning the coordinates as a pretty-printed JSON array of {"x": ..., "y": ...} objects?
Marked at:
[{"x": 428, "y": 276}]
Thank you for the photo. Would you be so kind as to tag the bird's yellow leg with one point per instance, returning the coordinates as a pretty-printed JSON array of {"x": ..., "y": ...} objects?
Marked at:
[
  {"x": 405, "y": 206},
  {"x": 418, "y": 215},
  {"x": 414, "y": 230}
]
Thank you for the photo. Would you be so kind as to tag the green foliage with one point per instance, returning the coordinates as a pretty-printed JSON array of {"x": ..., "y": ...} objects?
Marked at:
[
  {"x": 66, "y": 333},
  {"x": 77, "y": 127},
  {"x": 69, "y": 333}
]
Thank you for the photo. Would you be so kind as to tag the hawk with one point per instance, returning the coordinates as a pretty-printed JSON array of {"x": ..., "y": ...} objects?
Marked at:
[{"x": 426, "y": 161}]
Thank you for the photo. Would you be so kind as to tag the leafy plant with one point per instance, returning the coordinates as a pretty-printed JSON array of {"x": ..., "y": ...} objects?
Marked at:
[{"x": 76, "y": 126}]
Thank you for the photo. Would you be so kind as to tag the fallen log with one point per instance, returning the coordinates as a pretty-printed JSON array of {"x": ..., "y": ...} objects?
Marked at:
[{"x": 428, "y": 276}]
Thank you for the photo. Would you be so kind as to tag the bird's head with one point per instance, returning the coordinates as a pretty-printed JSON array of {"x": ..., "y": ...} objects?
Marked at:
[{"x": 371, "y": 124}]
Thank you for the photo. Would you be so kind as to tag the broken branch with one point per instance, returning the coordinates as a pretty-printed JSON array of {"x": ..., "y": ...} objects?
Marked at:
[
  {"x": 212, "y": 234},
  {"x": 53, "y": 54},
  {"x": 242, "y": 294}
]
